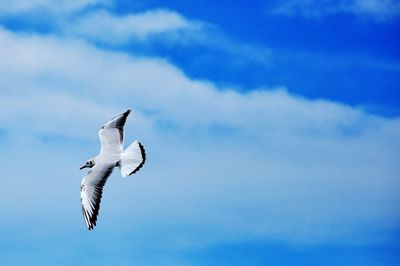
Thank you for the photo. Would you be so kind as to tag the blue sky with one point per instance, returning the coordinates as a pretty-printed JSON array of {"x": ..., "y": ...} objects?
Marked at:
[
  {"x": 327, "y": 47},
  {"x": 271, "y": 129}
]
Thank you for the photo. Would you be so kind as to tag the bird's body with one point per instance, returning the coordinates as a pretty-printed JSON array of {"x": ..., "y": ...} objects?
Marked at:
[{"x": 111, "y": 155}]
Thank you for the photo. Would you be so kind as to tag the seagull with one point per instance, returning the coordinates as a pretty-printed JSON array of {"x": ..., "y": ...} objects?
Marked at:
[{"x": 111, "y": 155}]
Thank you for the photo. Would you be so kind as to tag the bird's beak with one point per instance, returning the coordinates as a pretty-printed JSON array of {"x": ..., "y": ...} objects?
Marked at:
[{"x": 83, "y": 167}]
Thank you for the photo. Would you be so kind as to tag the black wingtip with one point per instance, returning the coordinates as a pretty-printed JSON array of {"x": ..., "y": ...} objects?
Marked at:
[{"x": 143, "y": 152}]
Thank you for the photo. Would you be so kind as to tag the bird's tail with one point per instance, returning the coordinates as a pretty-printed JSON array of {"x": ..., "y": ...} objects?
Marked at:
[{"x": 132, "y": 159}]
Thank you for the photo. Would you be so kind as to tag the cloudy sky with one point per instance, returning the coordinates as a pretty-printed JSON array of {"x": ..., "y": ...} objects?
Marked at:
[{"x": 272, "y": 131}]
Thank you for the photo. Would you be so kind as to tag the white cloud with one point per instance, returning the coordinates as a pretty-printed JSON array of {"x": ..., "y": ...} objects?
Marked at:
[
  {"x": 103, "y": 26},
  {"x": 92, "y": 20},
  {"x": 263, "y": 164},
  {"x": 378, "y": 10},
  {"x": 42, "y": 7}
]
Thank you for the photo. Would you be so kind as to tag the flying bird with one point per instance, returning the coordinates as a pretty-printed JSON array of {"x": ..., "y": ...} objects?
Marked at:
[{"x": 112, "y": 154}]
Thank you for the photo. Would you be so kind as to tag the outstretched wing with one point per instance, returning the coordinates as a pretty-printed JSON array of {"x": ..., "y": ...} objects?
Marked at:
[
  {"x": 112, "y": 134},
  {"x": 92, "y": 190}
]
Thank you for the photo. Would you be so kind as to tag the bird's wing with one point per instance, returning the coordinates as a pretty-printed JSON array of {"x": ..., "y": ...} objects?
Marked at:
[
  {"x": 112, "y": 134},
  {"x": 92, "y": 190}
]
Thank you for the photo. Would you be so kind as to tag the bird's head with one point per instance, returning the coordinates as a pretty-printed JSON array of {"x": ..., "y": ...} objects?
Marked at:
[{"x": 88, "y": 164}]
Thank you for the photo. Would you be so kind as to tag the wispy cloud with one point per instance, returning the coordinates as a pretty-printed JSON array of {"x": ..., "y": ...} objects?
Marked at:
[
  {"x": 112, "y": 29},
  {"x": 93, "y": 20},
  {"x": 46, "y": 7},
  {"x": 378, "y": 10},
  {"x": 265, "y": 164}
]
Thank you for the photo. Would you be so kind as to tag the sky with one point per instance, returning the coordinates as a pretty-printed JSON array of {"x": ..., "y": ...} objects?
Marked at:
[{"x": 271, "y": 128}]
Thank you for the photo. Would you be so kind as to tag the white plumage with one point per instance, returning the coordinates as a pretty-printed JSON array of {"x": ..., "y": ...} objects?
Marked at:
[{"x": 111, "y": 155}]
